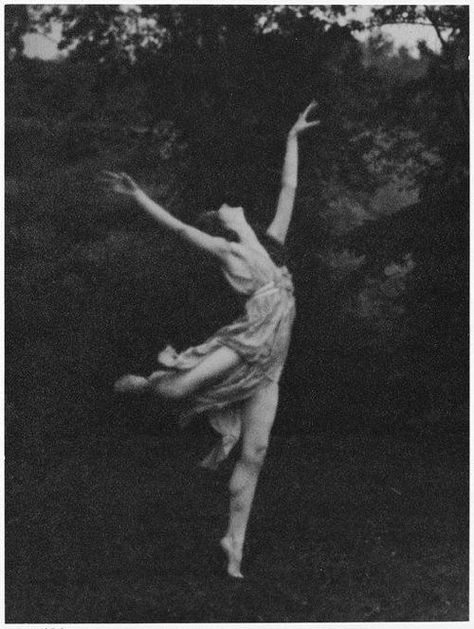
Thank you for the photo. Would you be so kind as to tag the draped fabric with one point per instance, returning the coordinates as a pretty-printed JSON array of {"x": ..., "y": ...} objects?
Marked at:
[{"x": 261, "y": 338}]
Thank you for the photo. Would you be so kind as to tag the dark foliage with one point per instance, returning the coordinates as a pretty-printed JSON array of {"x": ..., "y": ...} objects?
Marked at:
[{"x": 201, "y": 114}]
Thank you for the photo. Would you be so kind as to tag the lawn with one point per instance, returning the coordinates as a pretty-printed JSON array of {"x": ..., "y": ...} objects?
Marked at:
[{"x": 357, "y": 525}]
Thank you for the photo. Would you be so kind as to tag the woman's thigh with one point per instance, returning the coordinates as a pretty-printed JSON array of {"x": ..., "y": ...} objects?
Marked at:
[
  {"x": 210, "y": 370},
  {"x": 258, "y": 415}
]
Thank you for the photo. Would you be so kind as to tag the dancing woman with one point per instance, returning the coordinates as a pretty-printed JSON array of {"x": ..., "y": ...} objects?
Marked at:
[{"x": 234, "y": 375}]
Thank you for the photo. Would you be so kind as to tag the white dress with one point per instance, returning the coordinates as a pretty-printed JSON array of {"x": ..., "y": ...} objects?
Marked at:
[{"x": 261, "y": 337}]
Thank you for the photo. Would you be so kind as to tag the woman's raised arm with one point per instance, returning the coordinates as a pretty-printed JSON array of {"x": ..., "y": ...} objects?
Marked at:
[
  {"x": 280, "y": 224},
  {"x": 124, "y": 184}
]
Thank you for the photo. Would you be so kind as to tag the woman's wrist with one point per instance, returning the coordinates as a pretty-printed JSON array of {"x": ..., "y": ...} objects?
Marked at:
[{"x": 139, "y": 195}]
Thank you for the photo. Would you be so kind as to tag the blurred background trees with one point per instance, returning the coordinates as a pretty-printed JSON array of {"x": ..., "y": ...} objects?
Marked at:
[{"x": 194, "y": 101}]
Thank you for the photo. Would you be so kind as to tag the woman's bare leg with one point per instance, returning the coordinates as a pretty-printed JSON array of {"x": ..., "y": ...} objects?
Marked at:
[
  {"x": 180, "y": 384},
  {"x": 258, "y": 414}
]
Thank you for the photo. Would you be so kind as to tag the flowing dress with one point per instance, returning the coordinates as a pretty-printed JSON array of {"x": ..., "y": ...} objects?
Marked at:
[{"x": 261, "y": 338}]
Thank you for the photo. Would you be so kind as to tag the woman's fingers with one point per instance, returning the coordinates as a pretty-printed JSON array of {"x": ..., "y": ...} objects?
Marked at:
[
  {"x": 107, "y": 180},
  {"x": 109, "y": 173},
  {"x": 127, "y": 179},
  {"x": 308, "y": 125},
  {"x": 120, "y": 182},
  {"x": 303, "y": 125},
  {"x": 118, "y": 176},
  {"x": 313, "y": 104}
]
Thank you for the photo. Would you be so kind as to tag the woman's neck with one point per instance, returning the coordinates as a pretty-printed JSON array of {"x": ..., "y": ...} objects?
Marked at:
[{"x": 246, "y": 234}]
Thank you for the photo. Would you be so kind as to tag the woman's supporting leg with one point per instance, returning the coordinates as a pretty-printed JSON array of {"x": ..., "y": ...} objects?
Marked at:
[{"x": 258, "y": 414}]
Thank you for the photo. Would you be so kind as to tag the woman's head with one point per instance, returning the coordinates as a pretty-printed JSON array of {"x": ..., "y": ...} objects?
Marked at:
[
  {"x": 225, "y": 222},
  {"x": 232, "y": 216},
  {"x": 214, "y": 224}
]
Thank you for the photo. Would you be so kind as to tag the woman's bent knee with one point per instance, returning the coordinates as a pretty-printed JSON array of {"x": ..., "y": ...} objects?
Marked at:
[{"x": 255, "y": 455}]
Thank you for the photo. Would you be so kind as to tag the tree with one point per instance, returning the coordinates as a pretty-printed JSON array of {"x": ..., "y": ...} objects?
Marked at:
[
  {"x": 194, "y": 101},
  {"x": 451, "y": 24},
  {"x": 17, "y": 24}
]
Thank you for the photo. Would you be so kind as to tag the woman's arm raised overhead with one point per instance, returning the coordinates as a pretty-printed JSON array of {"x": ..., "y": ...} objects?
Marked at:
[
  {"x": 124, "y": 184},
  {"x": 280, "y": 224}
]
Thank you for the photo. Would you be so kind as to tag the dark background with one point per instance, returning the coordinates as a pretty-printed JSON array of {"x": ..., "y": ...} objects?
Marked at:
[{"x": 371, "y": 435}]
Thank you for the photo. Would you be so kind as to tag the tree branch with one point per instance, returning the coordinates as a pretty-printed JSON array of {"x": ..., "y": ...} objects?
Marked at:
[
  {"x": 462, "y": 100},
  {"x": 431, "y": 17}
]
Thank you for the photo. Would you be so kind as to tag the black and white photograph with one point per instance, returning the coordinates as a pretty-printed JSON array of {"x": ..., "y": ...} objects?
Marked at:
[{"x": 236, "y": 307}]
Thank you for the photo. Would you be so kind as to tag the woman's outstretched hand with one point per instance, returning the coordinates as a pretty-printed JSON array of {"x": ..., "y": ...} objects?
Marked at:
[
  {"x": 120, "y": 183},
  {"x": 302, "y": 124}
]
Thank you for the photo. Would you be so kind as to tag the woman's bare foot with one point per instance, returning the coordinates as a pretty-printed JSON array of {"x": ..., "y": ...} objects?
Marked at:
[
  {"x": 131, "y": 384},
  {"x": 234, "y": 557}
]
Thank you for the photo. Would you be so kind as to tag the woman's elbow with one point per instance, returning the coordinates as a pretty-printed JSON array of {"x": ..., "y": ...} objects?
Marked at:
[{"x": 277, "y": 234}]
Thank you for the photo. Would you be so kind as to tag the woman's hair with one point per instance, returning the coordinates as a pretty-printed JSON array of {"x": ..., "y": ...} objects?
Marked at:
[{"x": 210, "y": 223}]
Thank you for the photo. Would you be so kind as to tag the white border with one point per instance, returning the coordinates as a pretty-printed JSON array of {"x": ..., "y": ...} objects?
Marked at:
[{"x": 355, "y": 625}]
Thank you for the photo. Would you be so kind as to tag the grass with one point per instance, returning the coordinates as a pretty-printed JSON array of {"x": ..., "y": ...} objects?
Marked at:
[{"x": 347, "y": 526}]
